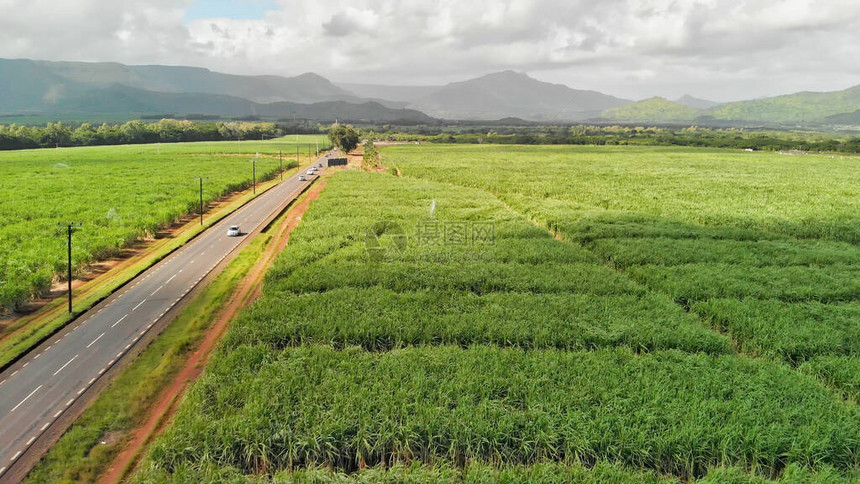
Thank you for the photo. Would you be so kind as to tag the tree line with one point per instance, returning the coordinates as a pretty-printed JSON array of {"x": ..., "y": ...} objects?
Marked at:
[
  {"x": 736, "y": 138},
  {"x": 17, "y": 137}
]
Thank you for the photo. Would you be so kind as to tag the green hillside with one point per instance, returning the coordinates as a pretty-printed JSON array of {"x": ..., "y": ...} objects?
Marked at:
[
  {"x": 655, "y": 110},
  {"x": 802, "y": 107}
]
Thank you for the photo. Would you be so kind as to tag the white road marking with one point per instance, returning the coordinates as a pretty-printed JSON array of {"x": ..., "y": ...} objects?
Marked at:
[
  {"x": 82, "y": 390},
  {"x": 119, "y": 321},
  {"x": 128, "y": 346},
  {"x": 32, "y": 439},
  {"x": 25, "y": 399},
  {"x": 138, "y": 305},
  {"x": 143, "y": 332},
  {"x": 25, "y": 365},
  {"x": 37, "y": 356},
  {"x": 17, "y": 454},
  {"x": 70, "y": 402},
  {"x": 2, "y": 469},
  {"x": 171, "y": 277},
  {"x": 119, "y": 354},
  {"x": 67, "y": 364},
  {"x": 102, "y": 371},
  {"x": 111, "y": 362},
  {"x": 155, "y": 291},
  {"x": 91, "y": 381},
  {"x": 44, "y": 427},
  {"x": 58, "y": 413},
  {"x": 94, "y": 341}
]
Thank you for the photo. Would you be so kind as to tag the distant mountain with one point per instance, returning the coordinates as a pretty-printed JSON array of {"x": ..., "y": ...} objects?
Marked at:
[
  {"x": 694, "y": 102},
  {"x": 36, "y": 87},
  {"x": 654, "y": 110},
  {"x": 76, "y": 76},
  {"x": 512, "y": 94},
  {"x": 402, "y": 94},
  {"x": 800, "y": 108}
]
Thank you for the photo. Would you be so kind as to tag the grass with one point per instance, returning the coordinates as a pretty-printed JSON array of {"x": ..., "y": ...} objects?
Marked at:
[
  {"x": 79, "y": 456},
  {"x": 101, "y": 188},
  {"x": 512, "y": 353},
  {"x": 314, "y": 405}
]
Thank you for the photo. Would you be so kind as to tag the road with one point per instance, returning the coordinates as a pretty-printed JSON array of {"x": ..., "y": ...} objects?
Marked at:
[{"x": 37, "y": 391}]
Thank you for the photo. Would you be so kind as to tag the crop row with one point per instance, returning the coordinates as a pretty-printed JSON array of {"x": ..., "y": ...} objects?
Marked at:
[{"x": 672, "y": 412}]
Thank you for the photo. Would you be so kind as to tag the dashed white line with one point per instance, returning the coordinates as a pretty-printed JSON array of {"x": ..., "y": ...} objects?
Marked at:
[
  {"x": 119, "y": 321},
  {"x": 94, "y": 341},
  {"x": 82, "y": 390},
  {"x": 25, "y": 399},
  {"x": 91, "y": 381},
  {"x": 58, "y": 413},
  {"x": 67, "y": 364},
  {"x": 119, "y": 354},
  {"x": 171, "y": 277},
  {"x": 2, "y": 469},
  {"x": 55, "y": 342},
  {"x": 71, "y": 401},
  {"x": 128, "y": 346},
  {"x": 102, "y": 371},
  {"x": 37, "y": 356},
  {"x": 155, "y": 291},
  {"x": 44, "y": 427},
  {"x": 111, "y": 362},
  {"x": 32, "y": 439},
  {"x": 138, "y": 305},
  {"x": 17, "y": 454},
  {"x": 25, "y": 365}
]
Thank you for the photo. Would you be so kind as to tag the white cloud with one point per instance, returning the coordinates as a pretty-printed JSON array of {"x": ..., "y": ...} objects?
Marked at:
[{"x": 722, "y": 49}]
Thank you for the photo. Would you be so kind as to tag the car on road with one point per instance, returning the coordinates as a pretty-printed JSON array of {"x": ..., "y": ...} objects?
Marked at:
[
  {"x": 234, "y": 231},
  {"x": 310, "y": 172},
  {"x": 302, "y": 178}
]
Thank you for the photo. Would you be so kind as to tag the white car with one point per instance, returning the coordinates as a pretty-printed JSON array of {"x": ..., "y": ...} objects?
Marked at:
[
  {"x": 310, "y": 172},
  {"x": 233, "y": 231},
  {"x": 302, "y": 178}
]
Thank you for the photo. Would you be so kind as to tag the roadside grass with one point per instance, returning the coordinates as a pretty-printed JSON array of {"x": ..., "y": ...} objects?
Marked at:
[
  {"x": 79, "y": 455},
  {"x": 32, "y": 330}
]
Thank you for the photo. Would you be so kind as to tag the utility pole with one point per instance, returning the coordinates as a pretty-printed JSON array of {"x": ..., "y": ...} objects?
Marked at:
[
  {"x": 200, "y": 178},
  {"x": 69, "y": 228},
  {"x": 281, "y": 163},
  {"x": 298, "y": 160}
]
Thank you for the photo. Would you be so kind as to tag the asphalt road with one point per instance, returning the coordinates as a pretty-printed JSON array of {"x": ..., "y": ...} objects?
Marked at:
[{"x": 36, "y": 391}]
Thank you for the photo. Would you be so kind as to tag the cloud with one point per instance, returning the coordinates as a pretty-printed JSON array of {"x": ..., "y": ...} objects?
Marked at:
[{"x": 722, "y": 49}]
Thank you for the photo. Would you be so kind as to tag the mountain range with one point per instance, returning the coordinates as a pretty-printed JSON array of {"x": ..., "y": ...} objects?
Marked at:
[{"x": 82, "y": 89}]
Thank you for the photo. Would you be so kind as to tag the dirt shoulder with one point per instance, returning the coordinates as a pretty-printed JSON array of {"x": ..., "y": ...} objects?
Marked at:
[{"x": 250, "y": 288}]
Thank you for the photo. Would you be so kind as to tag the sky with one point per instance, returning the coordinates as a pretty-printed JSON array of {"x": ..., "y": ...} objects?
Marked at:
[{"x": 721, "y": 50}]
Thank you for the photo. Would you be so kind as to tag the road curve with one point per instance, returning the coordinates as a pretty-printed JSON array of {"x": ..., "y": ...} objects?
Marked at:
[{"x": 37, "y": 390}]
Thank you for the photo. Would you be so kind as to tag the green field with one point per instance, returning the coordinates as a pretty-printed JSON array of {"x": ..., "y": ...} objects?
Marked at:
[
  {"x": 549, "y": 314},
  {"x": 119, "y": 194}
]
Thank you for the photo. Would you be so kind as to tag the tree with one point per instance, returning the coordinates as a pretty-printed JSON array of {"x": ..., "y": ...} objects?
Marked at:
[{"x": 344, "y": 137}]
